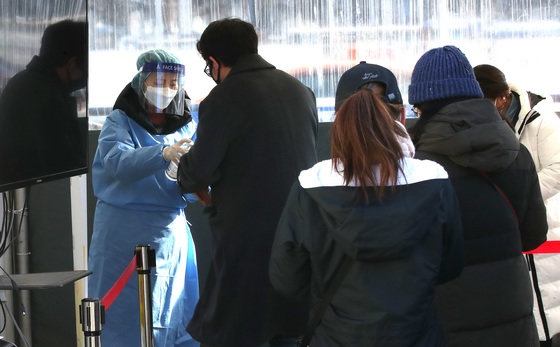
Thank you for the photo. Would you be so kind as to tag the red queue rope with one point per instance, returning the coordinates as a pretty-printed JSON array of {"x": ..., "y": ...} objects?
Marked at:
[
  {"x": 545, "y": 248},
  {"x": 119, "y": 285}
]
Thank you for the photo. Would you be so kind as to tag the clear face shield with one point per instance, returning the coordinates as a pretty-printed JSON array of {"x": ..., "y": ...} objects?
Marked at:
[{"x": 163, "y": 88}]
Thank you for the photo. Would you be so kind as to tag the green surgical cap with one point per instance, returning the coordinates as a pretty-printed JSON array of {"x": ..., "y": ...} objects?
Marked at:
[{"x": 153, "y": 56}]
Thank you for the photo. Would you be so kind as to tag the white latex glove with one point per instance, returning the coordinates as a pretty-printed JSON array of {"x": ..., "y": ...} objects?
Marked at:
[{"x": 176, "y": 150}]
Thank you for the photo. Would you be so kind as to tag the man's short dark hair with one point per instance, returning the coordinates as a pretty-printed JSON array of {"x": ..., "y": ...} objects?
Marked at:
[
  {"x": 64, "y": 40},
  {"x": 228, "y": 39}
]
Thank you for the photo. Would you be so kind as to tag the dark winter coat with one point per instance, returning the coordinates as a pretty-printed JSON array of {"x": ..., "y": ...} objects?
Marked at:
[
  {"x": 256, "y": 132},
  {"x": 40, "y": 133},
  {"x": 402, "y": 247},
  {"x": 491, "y": 303}
]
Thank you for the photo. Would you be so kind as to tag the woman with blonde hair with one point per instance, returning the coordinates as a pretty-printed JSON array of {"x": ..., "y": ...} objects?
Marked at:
[{"x": 393, "y": 218}]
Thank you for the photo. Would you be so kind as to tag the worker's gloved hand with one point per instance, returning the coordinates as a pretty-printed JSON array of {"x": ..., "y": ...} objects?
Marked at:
[{"x": 176, "y": 150}]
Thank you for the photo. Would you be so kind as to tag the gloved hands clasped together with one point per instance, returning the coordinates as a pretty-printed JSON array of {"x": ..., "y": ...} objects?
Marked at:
[
  {"x": 172, "y": 154},
  {"x": 176, "y": 150}
]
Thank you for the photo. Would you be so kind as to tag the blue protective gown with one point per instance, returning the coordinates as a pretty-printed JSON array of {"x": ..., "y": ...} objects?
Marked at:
[{"x": 137, "y": 204}]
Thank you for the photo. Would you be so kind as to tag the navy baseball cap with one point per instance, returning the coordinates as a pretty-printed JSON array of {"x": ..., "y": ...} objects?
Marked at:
[{"x": 364, "y": 73}]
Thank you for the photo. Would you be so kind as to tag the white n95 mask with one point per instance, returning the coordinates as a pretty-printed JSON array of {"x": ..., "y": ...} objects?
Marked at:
[{"x": 159, "y": 97}]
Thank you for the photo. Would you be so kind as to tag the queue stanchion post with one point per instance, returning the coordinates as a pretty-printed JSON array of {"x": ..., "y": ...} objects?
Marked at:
[
  {"x": 92, "y": 318},
  {"x": 145, "y": 260}
]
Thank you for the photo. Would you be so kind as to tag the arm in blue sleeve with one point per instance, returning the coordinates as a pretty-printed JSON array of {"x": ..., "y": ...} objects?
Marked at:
[
  {"x": 120, "y": 157},
  {"x": 190, "y": 198}
]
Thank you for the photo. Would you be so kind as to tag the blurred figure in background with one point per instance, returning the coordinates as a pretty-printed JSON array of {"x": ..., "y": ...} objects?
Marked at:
[
  {"x": 139, "y": 205},
  {"x": 257, "y": 131},
  {"x": 37, "y": 105},
  {"x": 538, "y": 128},
  {"x": 502, "y": 211},
  {"x": 388, "y": 213}
]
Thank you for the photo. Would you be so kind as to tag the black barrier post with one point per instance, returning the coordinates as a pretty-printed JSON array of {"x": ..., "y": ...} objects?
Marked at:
[
  {"x": 92, "y": 317},
  {"x": 145, "y": 260}
]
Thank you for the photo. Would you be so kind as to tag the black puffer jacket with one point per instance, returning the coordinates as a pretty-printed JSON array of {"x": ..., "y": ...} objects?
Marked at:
[
  {"x": 491, "y": 303},
  {"x": 402, "y": 247}
]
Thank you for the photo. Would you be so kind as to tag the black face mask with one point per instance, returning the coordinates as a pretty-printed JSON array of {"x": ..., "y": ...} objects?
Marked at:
[
  {"x": 80, "y": 82},
  {"x": 217, "y": 80},
  {"x": 77, "y": 84},
  {"x": 512, "y": 113}
]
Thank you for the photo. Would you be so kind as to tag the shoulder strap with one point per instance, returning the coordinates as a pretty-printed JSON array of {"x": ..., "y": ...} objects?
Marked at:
[
  {"x": 341, "y": 273},
  {"x": 501, "y": 193},
  {"x": 531, "y": 263}
]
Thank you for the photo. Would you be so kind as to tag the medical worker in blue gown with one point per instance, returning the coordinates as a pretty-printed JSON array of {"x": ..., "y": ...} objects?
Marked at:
[{"x": 150, "y": 126}]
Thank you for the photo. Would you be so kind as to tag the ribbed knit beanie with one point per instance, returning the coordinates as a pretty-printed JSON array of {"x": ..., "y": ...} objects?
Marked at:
[{"x": 442, "y": 73}]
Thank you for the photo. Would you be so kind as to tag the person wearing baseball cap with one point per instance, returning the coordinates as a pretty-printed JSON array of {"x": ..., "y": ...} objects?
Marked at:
[
  {"x": 502, "y": 211},
  {"x": 375, "y": 77}
]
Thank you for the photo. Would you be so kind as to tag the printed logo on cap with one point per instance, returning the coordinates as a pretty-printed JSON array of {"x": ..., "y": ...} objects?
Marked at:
[{"x": 370, "y": 75}]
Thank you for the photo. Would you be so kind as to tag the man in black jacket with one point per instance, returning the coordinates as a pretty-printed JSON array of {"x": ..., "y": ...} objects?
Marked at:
[
  {"x": 256, "y": 132},
  {"x": 40, "y": 132},
  {"x": 503, "y": 214}
]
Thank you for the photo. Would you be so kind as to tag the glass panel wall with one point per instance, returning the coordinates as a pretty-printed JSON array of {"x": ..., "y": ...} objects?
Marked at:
[
  {"x": 38, "y": 116},
  {"x": 46, "y": 231},
  {"x": 317, "y": 40}
]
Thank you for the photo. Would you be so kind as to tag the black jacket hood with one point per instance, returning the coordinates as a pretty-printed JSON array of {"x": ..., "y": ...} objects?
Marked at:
[
  {"x": 472, "y": 134},
  {"x": 129, "y": 103},
  {"x": 377, "y": 230},
  {"x": 41, "y": 66}
]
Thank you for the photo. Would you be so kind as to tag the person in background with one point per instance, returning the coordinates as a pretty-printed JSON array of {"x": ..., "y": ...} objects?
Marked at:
[
  {"x": 396, "y": 217},
  {"x": 373, "y": 77},
  {"x": 257, "y": 131},
  {"x": 37, "y": 104},
  {"x": 138, "y": 204},
  {"x": 377, "y": 78},
  {"x": 502, "y": 210},
  {"x": 538, "y": 128}
]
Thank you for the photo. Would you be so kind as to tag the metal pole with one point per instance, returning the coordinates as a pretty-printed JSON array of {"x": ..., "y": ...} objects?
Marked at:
[
  {"x": 145, "y": 259},
  {"x": 6, "y": 309},
  {"x": 22, "y": 258},
  {"x": 78, "y": 212},
  {"x": 92, "y": 317},
  {"x": 6, "y": 262}
]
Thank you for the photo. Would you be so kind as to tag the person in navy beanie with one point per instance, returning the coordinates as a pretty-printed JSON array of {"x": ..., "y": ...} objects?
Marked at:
[{"x": 503, "y": 214}]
